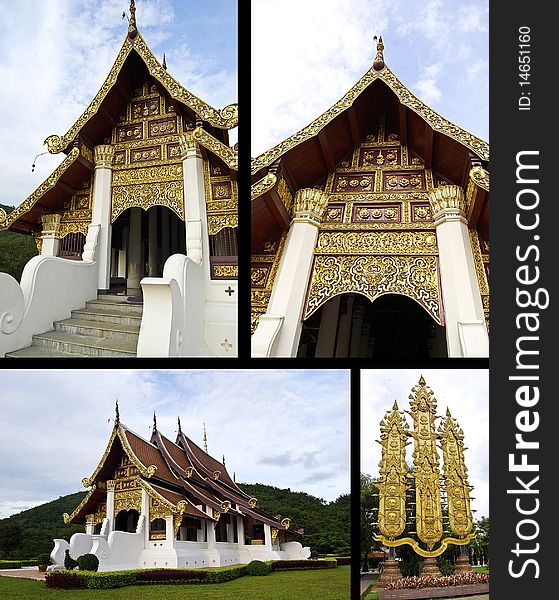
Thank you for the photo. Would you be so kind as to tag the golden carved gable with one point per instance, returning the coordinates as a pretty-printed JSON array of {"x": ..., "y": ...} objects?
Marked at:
[
  {"x": 377, "y": 235},
  {"x": 147, "y": 164}
]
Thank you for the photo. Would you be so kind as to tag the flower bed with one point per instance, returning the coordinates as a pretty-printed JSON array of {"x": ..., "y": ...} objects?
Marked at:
[{"x": 412, "y": 588}]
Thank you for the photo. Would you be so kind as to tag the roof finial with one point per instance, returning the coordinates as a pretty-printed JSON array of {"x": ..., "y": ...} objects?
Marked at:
[
  {"x": 132, "y": 29},
  {"x": 224, "y": 460},
  {"x": 205, "y": 440},
  {"x": 164, "y": 62},
  {"x": 117, "y": 414},
  {"x": 378, "y": 65},
  {"x": 154, "y": 423},
  {"x": 179, "y": 422}
]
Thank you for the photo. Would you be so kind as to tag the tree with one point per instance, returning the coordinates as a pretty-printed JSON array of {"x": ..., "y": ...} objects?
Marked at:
[
  {"x": 368, "y": 506},
  {"x": 479, "y": 547},
  {"x": 11, "y": 536}
]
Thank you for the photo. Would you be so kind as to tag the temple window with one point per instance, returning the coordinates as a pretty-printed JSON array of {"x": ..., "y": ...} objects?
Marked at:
[
  {"x": 157, "y": 529},
  {"x": 221, "y": 529},
  {"x": 188, "y": 530},
  {"x": 127, "y": 520}
]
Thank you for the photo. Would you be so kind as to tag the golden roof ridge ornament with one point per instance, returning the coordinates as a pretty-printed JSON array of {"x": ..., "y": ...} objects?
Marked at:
[
  {"x": 132, "y": 28},
  {"x": 378, "y": 64}
]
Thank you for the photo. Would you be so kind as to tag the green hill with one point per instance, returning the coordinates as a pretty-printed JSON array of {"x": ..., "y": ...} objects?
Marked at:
[
  {"x": 15, "y": 249},
  {"x": 326, "y": 525}
]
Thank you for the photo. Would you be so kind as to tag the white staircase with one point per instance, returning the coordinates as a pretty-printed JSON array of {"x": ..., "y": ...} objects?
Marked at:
[{"x": 106, "y": 327}]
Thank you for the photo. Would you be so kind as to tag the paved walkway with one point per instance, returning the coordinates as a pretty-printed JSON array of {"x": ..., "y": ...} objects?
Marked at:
[
  {"x": 25, "y": 572},
  {"x": 366, "y": 582}
]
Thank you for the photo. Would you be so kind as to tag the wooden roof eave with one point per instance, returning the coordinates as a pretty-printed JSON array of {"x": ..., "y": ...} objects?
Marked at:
[
  {"x": 50, "y": 182},
  {"x": 477, "y": 194},
  {"x": 406, "y": 98},
  {"x": 175, "y": 509},
  {"x": 225, "y": 118}
]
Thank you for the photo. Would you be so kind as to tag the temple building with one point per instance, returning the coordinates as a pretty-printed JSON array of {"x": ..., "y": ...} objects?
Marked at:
[
  {"x": 136, "y": 228},
  {"x": 170, "y": 505},
  {"x": 370, "y": 232}
]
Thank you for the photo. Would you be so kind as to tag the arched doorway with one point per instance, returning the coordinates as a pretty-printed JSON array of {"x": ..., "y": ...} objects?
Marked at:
[
  {"x": 141, "y": 243},
  {"x": 127, "y": 520},
  {"x": 391, "y": 327}
]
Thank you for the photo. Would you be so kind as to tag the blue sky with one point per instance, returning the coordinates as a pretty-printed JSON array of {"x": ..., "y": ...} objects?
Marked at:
[
  {"x": 307, "y": 55},
  {"x": 55, "y": 54},
  {"x": 284, "y": 428},
  {"x": 465, "y": 392}
]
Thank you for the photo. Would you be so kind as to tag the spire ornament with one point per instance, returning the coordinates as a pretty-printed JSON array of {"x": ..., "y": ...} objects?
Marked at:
[
  {"x": 205, "y": 440},
  {"x": 154, "y": 429},
  {"x": 179, "y": 422},
  {"x": 378, "y": 65},
  {"x": 164, "y": 63},
  {"x": 132, "y": 29},
  {"x": 117, "y": 414}
]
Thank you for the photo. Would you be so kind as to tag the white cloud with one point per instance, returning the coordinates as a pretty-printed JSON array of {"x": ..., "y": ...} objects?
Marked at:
[
  {"x": 282, "y": 428},
  {"x": 464, "y": 391}
]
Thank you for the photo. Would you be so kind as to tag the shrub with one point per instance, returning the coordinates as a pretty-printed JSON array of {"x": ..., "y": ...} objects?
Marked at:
[
  {"x": 172, "y": 576},
  {"x": 343, "y": 560},
  {"x": 445, "y": 566},
  {"x": 468, "y": 578},
  {"x": 286, "y": 565},
  {"x": 223, "y": 574},
  {"x": 43, "y": 559},
  {"x": 69, "y": 562},
  {"x": 106, "y": 581},
  {"x": 17, "y": 564},
  {"x": 257, "y": 568},
  {"x": 67, "y": 580},
  {"x": 88, "y": 562}
]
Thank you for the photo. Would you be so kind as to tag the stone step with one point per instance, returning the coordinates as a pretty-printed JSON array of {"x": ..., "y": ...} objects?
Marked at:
[
  {"x": 113, "y": 297},
  {"x": 123, "y": 307},
  {"x": 90, "y": 346},
  {"x": 107, "y": 315},
  {"x": 43, "y": 352},
  {"x": 98, "y": 329}
]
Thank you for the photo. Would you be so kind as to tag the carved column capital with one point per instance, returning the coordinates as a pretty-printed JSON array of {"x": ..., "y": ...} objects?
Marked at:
[
  {"x": 447, "y": 200},
  {"x": 51, "y": 225},
  {"x": 188, "y": 144},
  {"x": 310, "y": 204},
  {"x": 111, "y": 483},
  {"x": 103, "y": 156}
]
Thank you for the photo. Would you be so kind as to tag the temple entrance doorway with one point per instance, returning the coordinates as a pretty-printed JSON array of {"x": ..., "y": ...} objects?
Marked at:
[
  {"x": 141, "y": 243},
  {"x": 127, "y": 520},
  {"x": 391, "y": 327}
]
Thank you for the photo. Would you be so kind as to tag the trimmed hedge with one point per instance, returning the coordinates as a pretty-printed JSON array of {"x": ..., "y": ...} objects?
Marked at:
[
  {"x": 258, "y": 568},
  {"x": 67, "y": 580},
  {"x": 343, "y": 560},
  {"x": 115, "y": 579},
  {"x": 303, "y": 565},
  {"x": 17, "y": 564}
]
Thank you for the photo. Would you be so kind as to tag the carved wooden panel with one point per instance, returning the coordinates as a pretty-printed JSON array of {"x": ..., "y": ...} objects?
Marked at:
[
  {"x": 380, "y": 157},
  {"x": 406, "y": 181},
  {"x": 374, "y": 213},
  {"x": 351, "y": 183}
]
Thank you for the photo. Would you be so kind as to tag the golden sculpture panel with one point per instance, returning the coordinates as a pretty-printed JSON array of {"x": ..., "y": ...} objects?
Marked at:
[
  {"x": 376, "y": 242},
  {"x": 373, "y": 276}
]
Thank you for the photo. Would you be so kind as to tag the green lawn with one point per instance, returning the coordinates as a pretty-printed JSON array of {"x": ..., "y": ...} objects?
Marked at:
[
  {"x": 328, "y": 584},
  {"x": 371, "y": 596}
]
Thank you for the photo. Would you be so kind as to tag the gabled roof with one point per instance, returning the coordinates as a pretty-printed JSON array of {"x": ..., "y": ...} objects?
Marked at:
[
  {"x": 179, "y": 475},
  {"x": 306, "y": 158},
  {"x": 225, "y": 118}
]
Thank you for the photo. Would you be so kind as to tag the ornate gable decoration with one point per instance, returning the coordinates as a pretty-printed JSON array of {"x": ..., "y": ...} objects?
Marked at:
[
  {"x": 404, "y": 95},
  {"x": 225, "y": 118}
]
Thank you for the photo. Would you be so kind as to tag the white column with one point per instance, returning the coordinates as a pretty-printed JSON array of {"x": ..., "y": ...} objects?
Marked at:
[
  {"x": 101, "y": 212},
  {"x": 241, "y": 530},
  {"x": 169, "y": 531},
  {"x": 357, "y": 326},
  {"x": 111, "y": 505},
  {"x": 134, "y": 249},
  {"x": 210, "y": 529},
  {"x": 466, "y": 332},
  {"x": 49, "y": 235},
  {"x": 145, "y": 512},
  {"x": 152, "y": 242},
  {"x": 279, "y": 329},
  {"x": 267, "y": 537},
  {"x": 89, "y": 525},
  {"x": 344, "y": 330},
  {"x": 328, "y": 327}
]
